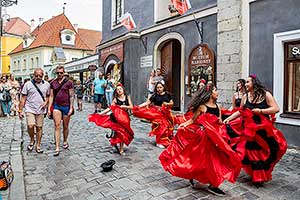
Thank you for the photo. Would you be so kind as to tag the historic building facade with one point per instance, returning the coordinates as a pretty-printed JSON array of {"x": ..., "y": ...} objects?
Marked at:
[{"x": 219, "y": 40}]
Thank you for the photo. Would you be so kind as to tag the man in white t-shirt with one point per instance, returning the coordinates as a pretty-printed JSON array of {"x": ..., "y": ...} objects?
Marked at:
[{"x": 34, "y": 100}]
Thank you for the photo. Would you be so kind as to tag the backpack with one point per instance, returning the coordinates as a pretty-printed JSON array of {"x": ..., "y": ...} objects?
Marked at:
[{"x": 6, "y": 175}]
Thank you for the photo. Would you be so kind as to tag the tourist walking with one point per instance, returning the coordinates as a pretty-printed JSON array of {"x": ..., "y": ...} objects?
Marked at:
[
  {"x": 109, "y": 89},
  {"x": 34, "y": 101},
  {"x": 15, "y": 95},
  {"x": 98, "y": 91},
  {"x": 79, "y": 89},
  {"x": 5, "y": 97},
  {"x": 61, "y": 101}
]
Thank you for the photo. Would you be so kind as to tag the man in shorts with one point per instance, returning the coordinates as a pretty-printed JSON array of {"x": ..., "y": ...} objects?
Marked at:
[
  {"x": 34, "y": 100},
  {"x": 98, "y": 90}
]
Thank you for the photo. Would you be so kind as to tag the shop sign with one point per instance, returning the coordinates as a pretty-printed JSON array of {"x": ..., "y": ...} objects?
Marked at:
[
  {"x": 201, "y": 67},
  {"x": 146, "y": 61},
  {"x": 92, "y": 68},
  {"x": 116, "y": 50},
  {"x": 293, "y": 51}
]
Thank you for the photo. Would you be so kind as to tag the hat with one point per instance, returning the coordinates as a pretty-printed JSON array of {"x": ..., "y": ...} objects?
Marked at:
[{"x": 108, "y": 165}]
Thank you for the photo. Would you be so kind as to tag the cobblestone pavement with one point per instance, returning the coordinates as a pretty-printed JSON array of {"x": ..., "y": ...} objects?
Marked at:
[{"x": 76, "y": 173}]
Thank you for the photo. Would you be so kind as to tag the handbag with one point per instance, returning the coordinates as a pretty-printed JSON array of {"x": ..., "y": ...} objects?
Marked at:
[{"x": 6, "y": 175}]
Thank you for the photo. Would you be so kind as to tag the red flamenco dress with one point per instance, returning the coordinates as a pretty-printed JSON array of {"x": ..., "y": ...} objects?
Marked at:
[
  {"x": 265, "y": 145},
  {"x": 162, "y": 121},
  {"x": 199, "y": 152},
  {"x": 118, "y": 121}
]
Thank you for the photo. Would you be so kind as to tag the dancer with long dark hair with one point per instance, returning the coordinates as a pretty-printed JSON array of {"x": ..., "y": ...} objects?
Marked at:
[
  {"x": 265, "y": 144},
  {"x": 239, "y": 93},
  {"x": 198, "y": 150},
  {"x": 157, "y": 109},
  {"x": 118, "y": 120}
]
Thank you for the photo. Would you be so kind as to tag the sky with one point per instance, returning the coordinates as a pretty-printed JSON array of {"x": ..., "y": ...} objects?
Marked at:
[{"x": 86, "y": 13}]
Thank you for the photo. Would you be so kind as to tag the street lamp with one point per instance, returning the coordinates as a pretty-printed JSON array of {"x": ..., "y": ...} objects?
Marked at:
[{"x": 3, "y": 3}]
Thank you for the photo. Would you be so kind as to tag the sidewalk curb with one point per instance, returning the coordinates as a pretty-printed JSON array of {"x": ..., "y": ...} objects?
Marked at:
[{"x": 17, "y": 188}]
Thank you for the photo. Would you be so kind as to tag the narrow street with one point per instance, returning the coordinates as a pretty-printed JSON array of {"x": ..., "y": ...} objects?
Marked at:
[{"x": 76, "y": 173}]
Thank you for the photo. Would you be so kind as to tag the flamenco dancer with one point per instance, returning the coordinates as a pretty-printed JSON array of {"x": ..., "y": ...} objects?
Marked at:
[
  {"x": 198, "y": 150},
  {"x": 265, "y": 145},
  {"x": 240, "y": 91},
  {"x": 157, "y": 109},
  {"x": 118, "y": 120}
]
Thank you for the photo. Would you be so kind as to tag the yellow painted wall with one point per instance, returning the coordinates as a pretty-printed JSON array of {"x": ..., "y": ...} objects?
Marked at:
[{"x": 9, "y": 43}]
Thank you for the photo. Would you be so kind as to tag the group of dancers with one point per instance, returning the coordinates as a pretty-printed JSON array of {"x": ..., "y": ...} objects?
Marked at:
[{"x": 212, "y": 144}]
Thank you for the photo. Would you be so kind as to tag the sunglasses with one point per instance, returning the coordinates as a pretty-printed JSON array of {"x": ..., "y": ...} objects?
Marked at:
[
  {"x": 40, "y": 76},
  {"x": 59, "y": 72}
]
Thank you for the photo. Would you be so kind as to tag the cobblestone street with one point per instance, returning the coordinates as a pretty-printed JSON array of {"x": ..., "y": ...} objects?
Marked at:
[{"x": 76, "y": 173}]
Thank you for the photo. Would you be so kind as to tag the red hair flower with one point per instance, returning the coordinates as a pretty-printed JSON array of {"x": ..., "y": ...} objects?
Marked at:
[{"x": 253, "y": 76}]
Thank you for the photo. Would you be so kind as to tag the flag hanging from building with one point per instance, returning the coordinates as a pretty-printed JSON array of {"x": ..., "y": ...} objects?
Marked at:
[
  {"x": 127, "y": 21},
  {"x": 181, "y": 5}
]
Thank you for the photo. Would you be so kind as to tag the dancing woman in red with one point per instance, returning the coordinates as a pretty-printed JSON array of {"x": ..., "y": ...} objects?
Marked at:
[
  {"x": 157, "y": 109},
  {"x": 198, "y": 150},
  {"x": 265, "y": 144},
  {"x": 118, "y": 120}
]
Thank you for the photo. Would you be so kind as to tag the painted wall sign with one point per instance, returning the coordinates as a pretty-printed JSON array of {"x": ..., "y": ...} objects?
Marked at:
[
  {"x": 201, "y": 67},
  {"x": 117, "y": 50},
  {"x": 146, "y": 61}
]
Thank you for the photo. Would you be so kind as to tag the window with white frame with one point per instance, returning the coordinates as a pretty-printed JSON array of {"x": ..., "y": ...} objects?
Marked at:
[
  {"x": 164, "y": 9},
  {"x": 32, "y": 63},
  {"x": 292, "y": 79},
  {"x": 37, "y": 61},
  {"x": 15, "y": 65},
  {"x": 24, "y": 64},
  {"x": 19, "y": 65},
  {"x": 117, "y": 7}
]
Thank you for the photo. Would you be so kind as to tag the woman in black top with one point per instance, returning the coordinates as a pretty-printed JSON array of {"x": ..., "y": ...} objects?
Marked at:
[
  {"x": 265, "y": 145},
  {"x": 198, "y": 150},
  {"x": 240, "y": 91},
  {"x": 118, "y": 120},
  {"x": 160, "y": 114}
]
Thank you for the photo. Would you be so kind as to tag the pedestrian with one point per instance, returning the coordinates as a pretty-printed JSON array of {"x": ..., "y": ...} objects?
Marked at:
[
  {"x": 109, "y": 89},
  {"x": 198, "y": 150},
  {"x": 98, "y": 91},
  {"x": 62, "y": 100},
  {"x": 15, "y": 95},
  {"x": 118, "y": 120},
  {"x": 157, "y": 109},
  {"x": 79, "y": 89},
  {"x": 34, "y": 101},
  {"x": 151, "y": 83},
  {"x": 5, "y": 97},
  {"x": 239, "y": 93},
  {"x": 158, "y": 77},
  {"x": 265, "y": 144}
]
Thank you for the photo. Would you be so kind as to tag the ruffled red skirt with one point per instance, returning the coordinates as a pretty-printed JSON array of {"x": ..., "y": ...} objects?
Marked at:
[
  {"x": 264, "y": 147},
  {"x": 199, "y": 152},
  {"x": 162, "y": 122},
  {"x": 119, "y": 122}
]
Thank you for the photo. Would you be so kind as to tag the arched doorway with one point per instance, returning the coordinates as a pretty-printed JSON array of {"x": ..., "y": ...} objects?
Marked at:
[
  {"x": 169, "y": 56},
  {"x": 170, "y": 68}
]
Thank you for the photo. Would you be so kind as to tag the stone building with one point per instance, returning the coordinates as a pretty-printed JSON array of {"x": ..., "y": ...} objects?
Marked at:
[{"x": 219, "y": 40}]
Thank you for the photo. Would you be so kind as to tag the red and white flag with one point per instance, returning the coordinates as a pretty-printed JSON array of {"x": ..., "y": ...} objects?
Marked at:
[
  {"x": 181, "y": 5},
  {"x": 127, "y": 21}
]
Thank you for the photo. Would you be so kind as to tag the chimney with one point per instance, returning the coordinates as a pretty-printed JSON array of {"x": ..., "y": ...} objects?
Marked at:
[
  {"x": 75, "y": 27},
  {"x": 32, "y": 25},
  {"x": 41, "y": 21}
]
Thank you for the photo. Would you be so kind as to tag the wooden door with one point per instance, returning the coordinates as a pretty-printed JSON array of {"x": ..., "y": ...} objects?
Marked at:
[{"x": 170, "y": 68}]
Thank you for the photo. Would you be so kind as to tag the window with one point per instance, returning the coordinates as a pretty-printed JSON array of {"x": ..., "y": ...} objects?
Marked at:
[
  {"x": 32, "y": 63},
  {"x": 68, "y": 38},
  {"x": 117, "y": 11},
  {"x": 24, "y": 64},
  {"x": 292, "y": 79},
  {"x": 19, "y": 65},
  {"x": 15, "y": 65},
  {"x": 37, "y": 61},
  {"x": 164, "y": 9}
]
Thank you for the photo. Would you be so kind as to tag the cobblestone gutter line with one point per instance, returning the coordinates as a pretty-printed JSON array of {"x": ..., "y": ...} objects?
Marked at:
[{"x": 17, "y": 189}]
